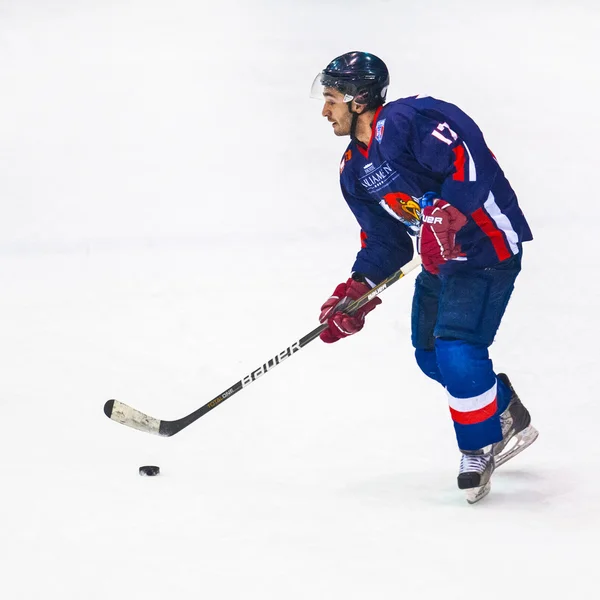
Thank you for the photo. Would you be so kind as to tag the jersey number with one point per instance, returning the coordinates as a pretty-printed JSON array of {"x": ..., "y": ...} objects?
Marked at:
[{"x": 443, "y": 127}]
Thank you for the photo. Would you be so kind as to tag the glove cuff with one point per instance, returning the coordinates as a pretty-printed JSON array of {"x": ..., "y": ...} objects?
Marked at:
[
  {"x": 362, "y": 279},
  {"x": 440, "y": 203}
]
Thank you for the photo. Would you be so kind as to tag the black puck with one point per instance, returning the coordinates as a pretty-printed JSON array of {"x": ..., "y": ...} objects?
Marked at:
[{"x": 149, "y": 470}]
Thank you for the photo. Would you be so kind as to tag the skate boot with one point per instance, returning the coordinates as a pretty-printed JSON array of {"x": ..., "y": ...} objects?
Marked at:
[
  {"x": 517, "y": 431},
  {"x": 476, "y": 468}
]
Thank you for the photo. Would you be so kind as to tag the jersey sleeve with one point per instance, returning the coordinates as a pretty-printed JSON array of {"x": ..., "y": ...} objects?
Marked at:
[
  {"x": 466, "y": 172},
  {"x": 385, "y": 242}
]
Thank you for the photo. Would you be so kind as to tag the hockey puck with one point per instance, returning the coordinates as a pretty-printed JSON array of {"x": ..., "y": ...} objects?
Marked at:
[{"x": 149, "y": 470}]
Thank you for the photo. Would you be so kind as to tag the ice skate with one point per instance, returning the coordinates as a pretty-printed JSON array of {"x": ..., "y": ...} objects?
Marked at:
[
  {"x": 476, "y": 468},
  {"x": 517, "y": 431}
]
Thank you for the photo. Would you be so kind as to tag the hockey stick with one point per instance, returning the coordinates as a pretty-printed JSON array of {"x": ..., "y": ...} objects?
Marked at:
[{"x": 126, "y": 415}]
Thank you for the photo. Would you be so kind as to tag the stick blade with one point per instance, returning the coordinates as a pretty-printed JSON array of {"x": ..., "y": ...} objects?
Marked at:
[{"x": 126, "y": 415}]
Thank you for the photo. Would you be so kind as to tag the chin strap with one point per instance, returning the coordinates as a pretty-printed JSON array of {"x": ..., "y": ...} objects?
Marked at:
[{"x": 354, "y": 123}]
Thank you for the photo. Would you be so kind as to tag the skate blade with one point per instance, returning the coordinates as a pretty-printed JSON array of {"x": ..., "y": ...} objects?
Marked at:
[
  {"x": 524, "y": 439},
  {"x": 476, "y": 494}
]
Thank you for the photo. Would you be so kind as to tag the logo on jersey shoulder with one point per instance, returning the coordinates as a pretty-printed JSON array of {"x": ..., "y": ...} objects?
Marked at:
[
  {"x": 379, "y": 130},
  {"x": 347, "y": 156}
]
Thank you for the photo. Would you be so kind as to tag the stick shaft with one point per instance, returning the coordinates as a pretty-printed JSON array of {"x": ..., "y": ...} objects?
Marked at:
[{"x": 126, "y": 415}]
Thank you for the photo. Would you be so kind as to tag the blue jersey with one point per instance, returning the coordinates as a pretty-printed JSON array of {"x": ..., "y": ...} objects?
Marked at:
[{"x": 418, "y": 145}]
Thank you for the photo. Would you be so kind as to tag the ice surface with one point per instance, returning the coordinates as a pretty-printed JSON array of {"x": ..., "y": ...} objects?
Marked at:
[{"x": 172, "y": 218}]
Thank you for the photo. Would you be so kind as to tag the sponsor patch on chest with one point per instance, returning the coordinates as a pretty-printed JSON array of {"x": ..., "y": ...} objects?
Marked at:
[{"x": 377, "y": 177}]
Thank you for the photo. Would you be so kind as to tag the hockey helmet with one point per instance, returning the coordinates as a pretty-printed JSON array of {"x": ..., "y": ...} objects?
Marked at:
[{"x": 360, "y": 76}]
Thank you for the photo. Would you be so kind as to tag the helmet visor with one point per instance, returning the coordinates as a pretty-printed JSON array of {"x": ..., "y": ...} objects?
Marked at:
[{"x": 328, "y": 87}]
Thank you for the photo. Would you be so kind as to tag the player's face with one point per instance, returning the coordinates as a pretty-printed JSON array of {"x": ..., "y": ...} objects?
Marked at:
[{"x": 335, "y": 110}]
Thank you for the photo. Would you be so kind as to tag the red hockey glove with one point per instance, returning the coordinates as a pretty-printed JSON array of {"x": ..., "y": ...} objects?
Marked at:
[
  {"x": 440, "y": 224},
  {"x": 342, "y": 325}
]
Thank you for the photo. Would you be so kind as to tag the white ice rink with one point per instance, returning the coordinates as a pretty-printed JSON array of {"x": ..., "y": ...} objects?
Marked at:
[{"x": 171, "y": 218}]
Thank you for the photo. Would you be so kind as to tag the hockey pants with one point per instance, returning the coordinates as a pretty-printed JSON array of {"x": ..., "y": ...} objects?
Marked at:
[{"x": 454, "y": 321}]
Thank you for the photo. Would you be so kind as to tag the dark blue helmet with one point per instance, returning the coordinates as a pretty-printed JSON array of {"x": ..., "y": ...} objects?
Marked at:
[{"x": 360, "y": 76}]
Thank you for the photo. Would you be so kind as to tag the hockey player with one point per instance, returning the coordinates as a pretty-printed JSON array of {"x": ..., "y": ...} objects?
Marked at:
[{"x": 420, "y": 166}]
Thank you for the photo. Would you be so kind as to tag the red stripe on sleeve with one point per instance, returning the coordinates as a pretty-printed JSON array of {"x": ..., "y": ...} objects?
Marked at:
[
  {"x": 489, "y": 228},
  {"x": 459, "y": 163},
  {"x": 474, "y": 416},
  {"x": 363, "y": 239}
]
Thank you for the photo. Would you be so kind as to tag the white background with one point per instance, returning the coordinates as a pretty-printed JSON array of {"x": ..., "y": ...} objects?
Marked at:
[{"x": 171, "y": 218}]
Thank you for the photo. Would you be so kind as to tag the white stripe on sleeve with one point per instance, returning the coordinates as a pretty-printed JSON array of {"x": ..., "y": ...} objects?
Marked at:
[{"x": 502, "y": 222}]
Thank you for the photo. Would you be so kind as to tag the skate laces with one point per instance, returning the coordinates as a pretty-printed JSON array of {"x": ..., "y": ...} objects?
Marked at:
[{"x": 477, "y": 463}]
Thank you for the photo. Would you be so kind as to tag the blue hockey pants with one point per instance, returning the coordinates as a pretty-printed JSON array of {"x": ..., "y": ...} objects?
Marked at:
[{"x": 454, "y": 321}]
